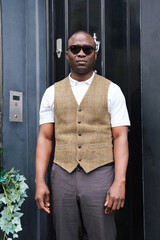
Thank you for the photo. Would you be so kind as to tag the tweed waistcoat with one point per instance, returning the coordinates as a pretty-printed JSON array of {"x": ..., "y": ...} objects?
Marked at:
[{"x": 82, "y": 132}]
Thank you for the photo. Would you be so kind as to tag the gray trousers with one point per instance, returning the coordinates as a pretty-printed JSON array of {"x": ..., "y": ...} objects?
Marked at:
[{"x": 78, "y": 202}]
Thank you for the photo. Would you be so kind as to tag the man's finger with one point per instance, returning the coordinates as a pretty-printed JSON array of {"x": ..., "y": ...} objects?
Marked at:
[
  {"x": 109, "y": 204},
  {"x": 119, "y": 205},
  {"x": 47, "y": 204},
  {"x": 46, "y": 209},
  {"x": 108, "y": 210},
  {"x": 122, "y": 203},
  {"x": 115, "y": 203},
  {"x": 107, "y": 200},
  {"x": 47, "y": 200}
]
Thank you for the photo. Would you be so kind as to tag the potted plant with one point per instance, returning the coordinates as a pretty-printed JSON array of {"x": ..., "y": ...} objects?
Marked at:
[{"x": 12, "y": 195}]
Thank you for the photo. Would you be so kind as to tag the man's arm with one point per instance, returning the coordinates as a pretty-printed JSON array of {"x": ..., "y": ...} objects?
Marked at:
[
  {"x": 43, "y": 154},
  {"x": 116, "y": 194}
]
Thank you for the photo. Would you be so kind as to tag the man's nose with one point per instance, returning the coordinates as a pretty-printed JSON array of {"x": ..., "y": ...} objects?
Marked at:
[{"x": 81, "y": 53}]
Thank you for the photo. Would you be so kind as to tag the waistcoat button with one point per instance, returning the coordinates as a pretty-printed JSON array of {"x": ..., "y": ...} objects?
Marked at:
[
  {"x": 79, "y": 159},
  {"x": 79, "y": 122},
  {"x": 79, "y": 146},
  {"x": 79, "y": 134},
  {"x": 80, "y": 109}
]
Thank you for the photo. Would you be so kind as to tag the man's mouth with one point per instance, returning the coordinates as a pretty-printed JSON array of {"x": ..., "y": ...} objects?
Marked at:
[{"x": 81, "y": 61}]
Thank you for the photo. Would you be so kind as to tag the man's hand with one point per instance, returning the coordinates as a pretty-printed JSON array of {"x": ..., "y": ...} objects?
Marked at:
[
  {"x": 115, "y": 197},
  {"x": 42, "y": 197}
]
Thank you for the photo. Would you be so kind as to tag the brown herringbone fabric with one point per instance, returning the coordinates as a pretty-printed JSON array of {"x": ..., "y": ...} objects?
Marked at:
[{"x": 83, "y": 132}]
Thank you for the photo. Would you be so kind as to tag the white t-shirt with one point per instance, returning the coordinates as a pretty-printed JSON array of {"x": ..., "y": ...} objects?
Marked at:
[{"x": 116, "y": 102}]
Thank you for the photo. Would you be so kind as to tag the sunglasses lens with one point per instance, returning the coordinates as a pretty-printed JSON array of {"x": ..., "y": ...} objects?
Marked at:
[
  {"x": 75, "y": 49},
  {"x": 87, "y": 49}
]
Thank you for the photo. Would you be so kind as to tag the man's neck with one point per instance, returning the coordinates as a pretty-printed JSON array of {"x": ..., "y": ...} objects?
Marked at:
[{"x": 81, "y": 76}]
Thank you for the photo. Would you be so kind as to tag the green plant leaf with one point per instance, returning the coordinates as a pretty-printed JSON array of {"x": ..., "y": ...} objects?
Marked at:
[
  {"x": 15, "y": 235},
  {"x": 18, "y": 228},
  {"x": 18, "y": 214},
  {"x": 3, "y": 198},
  {"x": 12, "y": 195}
]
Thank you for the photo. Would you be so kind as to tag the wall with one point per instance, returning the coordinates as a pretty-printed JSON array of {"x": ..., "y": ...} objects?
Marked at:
[
  {"x": 150, "y": 77},
  {"x": 24, "y": 69}
]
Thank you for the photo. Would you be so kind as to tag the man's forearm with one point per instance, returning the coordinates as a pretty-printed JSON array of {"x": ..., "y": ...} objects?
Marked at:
[
  {"x": 43, "y": 154},
  {"x": 121, "y": 158}
]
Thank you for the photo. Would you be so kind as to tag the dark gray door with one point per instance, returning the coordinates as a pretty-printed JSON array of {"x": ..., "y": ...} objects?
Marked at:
[{"x": 117, "y": 27}]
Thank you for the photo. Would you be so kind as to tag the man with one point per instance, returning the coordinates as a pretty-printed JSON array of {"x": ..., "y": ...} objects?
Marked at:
[{"x": 91, "y": 154}]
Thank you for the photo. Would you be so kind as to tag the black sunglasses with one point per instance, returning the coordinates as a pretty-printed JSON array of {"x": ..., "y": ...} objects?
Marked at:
[{"x": 87, "y": 49}]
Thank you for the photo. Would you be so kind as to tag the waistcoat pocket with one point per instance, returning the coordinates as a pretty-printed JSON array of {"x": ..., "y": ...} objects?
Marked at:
[
  {"x": 62, "y": 147},
  {"x": 100, "y": 145}
]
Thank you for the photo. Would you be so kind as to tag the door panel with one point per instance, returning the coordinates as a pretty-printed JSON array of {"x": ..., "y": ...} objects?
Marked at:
[
  {"x": 77, "y": 16},
  {"x": 95, "y": 27},
  {"x": 116, "y": 42}
]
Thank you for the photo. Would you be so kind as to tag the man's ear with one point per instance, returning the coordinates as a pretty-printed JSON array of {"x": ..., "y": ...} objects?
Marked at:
[
  {"x": 96, "y": 54},
  {"x": 67, "y": 55}
]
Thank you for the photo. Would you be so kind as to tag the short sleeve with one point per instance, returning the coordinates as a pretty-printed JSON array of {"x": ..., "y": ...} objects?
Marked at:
[
  {"x": 117, "y": 106},
  {"x": 46, "y": 113}
]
